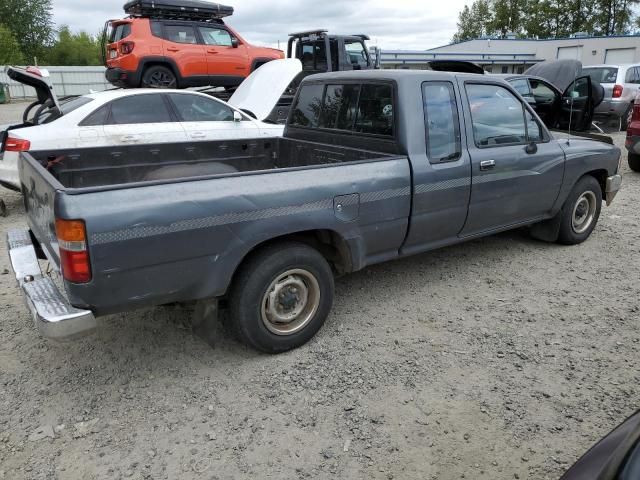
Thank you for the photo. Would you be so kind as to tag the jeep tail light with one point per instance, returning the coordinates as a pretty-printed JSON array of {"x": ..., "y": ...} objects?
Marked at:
[
  {"x": 74, "y": 256},
  {"x": 617, "y": 91},
  {"x": 17, "y": 145},
  {"x": 126, "y": 48}
]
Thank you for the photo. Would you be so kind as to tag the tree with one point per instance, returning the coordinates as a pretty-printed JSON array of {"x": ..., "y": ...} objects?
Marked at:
[
  {"x": 31, "y": 24},
  {"x": 9, "y": 49},
  {"x": 79, "y": 49},
  {"x": 474, "y": 22}
]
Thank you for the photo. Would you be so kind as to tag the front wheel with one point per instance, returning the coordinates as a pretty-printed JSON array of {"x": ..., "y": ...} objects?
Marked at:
[
  {"x": 634, "y": 162},
  {"x": 281, "y": 297},
  {"x": 159, "y": 77},
  {"x": 581, "y": 211}
]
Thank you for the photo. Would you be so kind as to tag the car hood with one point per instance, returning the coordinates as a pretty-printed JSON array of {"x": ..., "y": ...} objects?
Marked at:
[
  {"x": 260, "y": 92},
  {"x": 561, "y": 73}
]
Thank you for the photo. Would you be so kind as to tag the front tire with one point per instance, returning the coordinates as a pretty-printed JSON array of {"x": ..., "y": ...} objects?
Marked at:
[
  {"x": 581, "y": 211},
  {"x": 634, "y": 162},
  {"x": 281, "y": 297},
  {"x": 159, "y": 77}
]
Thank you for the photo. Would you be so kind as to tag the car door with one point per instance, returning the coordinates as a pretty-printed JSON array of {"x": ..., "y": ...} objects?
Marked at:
[
  {"x": 576, "y": 111},
  {"x": 226, "y": 55},
  {"x": 142, "y": 119},
  {"x": 181, "y": 45},
  {"x": 204, "y": 118},
  {"x": 516, "y": 170},
  {"x": 546, "y": 101}
]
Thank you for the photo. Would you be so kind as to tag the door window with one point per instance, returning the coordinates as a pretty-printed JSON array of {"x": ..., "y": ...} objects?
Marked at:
[
  {"x": 497, "y": 116},
  {"x": 194, "y": 108},
  {"x": 633, "y": 75},
  {"x": 542, "y": 92},
  {"x": 534, "y": 130},
  {"x": 98, "y": 117},
  {"x": 149, "y": 108},
  {"x": 357, "y": 55},
  {"x": 180, "y": 34},
  {"x": 216, "y": 36},
  {"x": 521, "y": 85},
  {"x": 441, "y": 120}
]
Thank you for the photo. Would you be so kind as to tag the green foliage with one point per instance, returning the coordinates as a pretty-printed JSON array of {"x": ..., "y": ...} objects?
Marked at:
[
  {"x": 9, "y": 48},
  {"x": 31, "y": 24},
  {"x": 546, "y": 18},
  {"x": 74, "y": 49}
]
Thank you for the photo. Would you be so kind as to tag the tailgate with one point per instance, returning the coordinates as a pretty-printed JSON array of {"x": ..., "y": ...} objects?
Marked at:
[{"x": 40, "y": 189}]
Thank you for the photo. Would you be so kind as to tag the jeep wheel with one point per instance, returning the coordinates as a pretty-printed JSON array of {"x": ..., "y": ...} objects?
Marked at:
[
  {"x": 634, "y": 162},
  {"x": 581, "y": 211},
  {"x": 281, "y": 297},
  {"x": 159, "y": 77}
]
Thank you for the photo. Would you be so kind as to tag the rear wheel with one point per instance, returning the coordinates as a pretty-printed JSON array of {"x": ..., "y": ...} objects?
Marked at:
[
  {"x": 581, "y": 211},
  {"x": 281, "y": 297},
  {"x": 159, "y": 77},
  {"x": 634, "y": 162}
]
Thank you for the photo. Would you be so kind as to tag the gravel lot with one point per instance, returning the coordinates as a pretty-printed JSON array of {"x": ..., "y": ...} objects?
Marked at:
[{"x": 502, "y": 358}]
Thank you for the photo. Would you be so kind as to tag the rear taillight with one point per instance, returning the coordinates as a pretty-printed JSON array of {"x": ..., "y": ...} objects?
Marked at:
[
  {"x": 126, "y": 48},
  {"x": 17, "y": 145},
  {"x": 617, "y": 91},
  {"x": 34, "y": 71},
  {"x": 74, "y": 256}
]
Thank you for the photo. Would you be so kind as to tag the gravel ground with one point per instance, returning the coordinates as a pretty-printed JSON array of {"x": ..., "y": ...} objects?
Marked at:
[{"x": 503, "y": 358}]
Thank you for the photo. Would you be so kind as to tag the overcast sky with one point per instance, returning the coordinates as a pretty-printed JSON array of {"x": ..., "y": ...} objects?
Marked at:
[{"x": 403, "y": 24}]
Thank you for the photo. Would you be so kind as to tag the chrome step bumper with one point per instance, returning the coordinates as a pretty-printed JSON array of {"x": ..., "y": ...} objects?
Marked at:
[{"x": 54, "y": 316}]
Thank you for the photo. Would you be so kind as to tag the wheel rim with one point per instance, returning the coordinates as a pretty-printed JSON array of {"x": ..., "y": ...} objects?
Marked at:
[
  {"x": 161, "y": 80},
  {"x": 290, "y": 302},
  {"x": 584, "y": 212}
]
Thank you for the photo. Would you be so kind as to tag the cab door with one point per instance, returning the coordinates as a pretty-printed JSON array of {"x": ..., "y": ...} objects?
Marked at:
[
  {"x": 516, "y": 170},
  {"x": 181, "y": 45},
  {"x": 226, "y": 55}
]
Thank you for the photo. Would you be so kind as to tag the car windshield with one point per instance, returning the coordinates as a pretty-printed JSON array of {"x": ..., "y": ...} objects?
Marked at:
[{"x": 602, "y": 74}]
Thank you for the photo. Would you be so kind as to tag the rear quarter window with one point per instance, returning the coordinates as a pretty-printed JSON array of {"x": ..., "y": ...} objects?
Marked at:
[
  {"x": 602, "y": 74},
  {"x": 361, "y": 108}
]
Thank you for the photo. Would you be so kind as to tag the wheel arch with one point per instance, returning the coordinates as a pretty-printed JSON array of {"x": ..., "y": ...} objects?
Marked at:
[
  {"x": 149, "y": 62},
  {"x": 258, "y": 62},
  {"x": 601, "y": 176},
  {"x": 329, "y": 243}
]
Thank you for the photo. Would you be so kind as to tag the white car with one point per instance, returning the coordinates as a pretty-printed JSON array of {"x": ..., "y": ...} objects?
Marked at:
[{"x": 142, "y": 116}]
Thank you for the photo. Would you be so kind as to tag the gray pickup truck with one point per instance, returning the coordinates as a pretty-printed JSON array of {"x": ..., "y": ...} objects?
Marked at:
[{"x": 373, "y": 166}]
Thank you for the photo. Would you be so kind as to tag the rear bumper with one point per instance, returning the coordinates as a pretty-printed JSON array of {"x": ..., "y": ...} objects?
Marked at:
[
  {"x": 122, "y": 78},
  {"x": 612, "y": 107},
  {"x": 612, "y": 188},
  {"x": 53, "y": 315}
]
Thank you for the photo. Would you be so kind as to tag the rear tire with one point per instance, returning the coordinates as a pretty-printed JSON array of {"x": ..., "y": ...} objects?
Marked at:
[
  {"x": 159, "y": 77},
  {"x": 581, "y": 211},
  {"x": 634, "y": 162},
  {"x": 281, "y": 297}
]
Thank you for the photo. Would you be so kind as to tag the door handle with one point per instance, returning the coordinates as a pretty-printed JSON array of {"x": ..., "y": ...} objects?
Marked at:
[
  {"x": 487, "y": 165},
  {"x": 212, "y": 52},
  {"x": 173, "y": 49},
  {"x": 130, "y": 138}
]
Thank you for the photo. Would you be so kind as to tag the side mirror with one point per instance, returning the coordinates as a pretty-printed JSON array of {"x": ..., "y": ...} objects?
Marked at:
[
  {"x": 531, "y": 148},
  {"x": 237, "y": 117},
  {"x": 234, "y": 42}
]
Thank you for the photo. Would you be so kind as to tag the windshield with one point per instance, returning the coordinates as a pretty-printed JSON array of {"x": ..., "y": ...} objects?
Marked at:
[{"x": 602, "y": 74}]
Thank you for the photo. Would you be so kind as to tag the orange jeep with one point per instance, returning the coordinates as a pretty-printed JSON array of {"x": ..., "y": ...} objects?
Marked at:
[{"x": 178, "y": 44}]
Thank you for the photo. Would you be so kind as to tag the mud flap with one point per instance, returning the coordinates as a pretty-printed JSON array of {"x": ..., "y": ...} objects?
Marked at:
[
  {"x": 548, "y": 230},
  {"x": 204, "y": 321}
]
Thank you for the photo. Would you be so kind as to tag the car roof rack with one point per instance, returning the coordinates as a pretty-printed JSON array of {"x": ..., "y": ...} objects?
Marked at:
[{"x": 177, "y": 9}]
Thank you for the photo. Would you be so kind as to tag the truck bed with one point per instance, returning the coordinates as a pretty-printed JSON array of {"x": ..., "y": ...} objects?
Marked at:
[{"x": 110, "y": 167}]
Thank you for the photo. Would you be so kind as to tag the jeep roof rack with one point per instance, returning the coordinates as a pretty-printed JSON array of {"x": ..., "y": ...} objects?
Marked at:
[
  {"x": 318, "y": 32},
  {"x": 177, "y": 9}
]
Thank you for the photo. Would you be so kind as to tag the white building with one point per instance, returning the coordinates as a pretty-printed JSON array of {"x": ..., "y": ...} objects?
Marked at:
[{"x": 513, "y": 55}]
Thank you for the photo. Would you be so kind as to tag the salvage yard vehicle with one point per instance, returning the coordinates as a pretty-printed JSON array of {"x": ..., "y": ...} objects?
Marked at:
[
  {"x": 632, "y": 142},
  {"x": 621, "y": 84},
  {"x": 178, "y": 44},
  {"x": 373, "y": 166},
  {"x": 141, "y": 116}
]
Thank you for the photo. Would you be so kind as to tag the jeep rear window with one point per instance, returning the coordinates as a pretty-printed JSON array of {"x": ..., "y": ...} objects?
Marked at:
[
  {"x": 119, "y": 32},
  {"x": 366, "y": 108}
]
